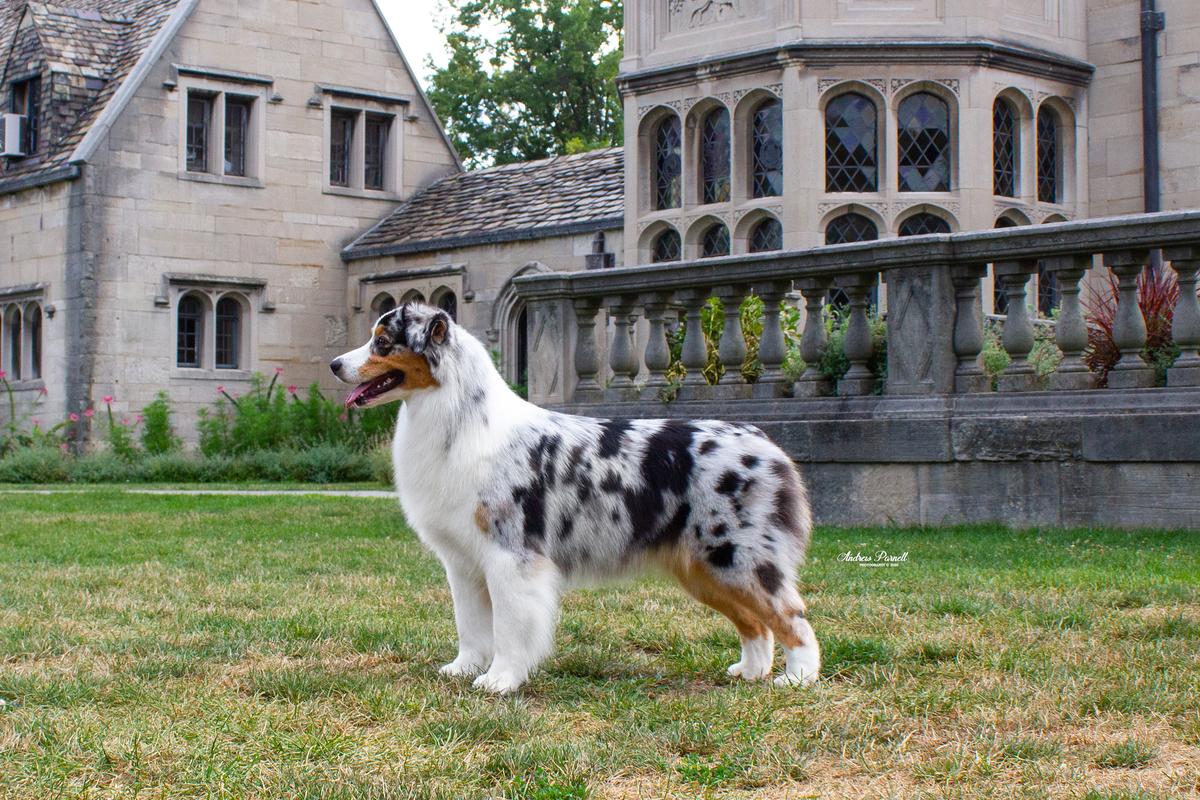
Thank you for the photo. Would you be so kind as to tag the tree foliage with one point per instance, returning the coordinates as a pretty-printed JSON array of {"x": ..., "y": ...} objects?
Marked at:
[{"x": 528, "y": 80}]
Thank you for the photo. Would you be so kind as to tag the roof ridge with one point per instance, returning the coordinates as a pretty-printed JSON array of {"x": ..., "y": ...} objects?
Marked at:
[{"x": 514, "y": 166}]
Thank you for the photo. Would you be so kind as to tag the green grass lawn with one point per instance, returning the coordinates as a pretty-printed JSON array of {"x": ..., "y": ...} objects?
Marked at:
[{"x": 272, "y": 647}]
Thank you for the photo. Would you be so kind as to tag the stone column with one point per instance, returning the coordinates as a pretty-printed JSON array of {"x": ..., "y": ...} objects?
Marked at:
[
  {"x": 1129, "y": 327},
  {"x": 812, "y": 343},
  {"x": 1185, "y": 324},
  {"x": 695, "y": 351},
  {"x": 732, "y": 347},
  {"x": 858, "y": 346},
  {"x": 1018, "y": 327},
  {"x": 920, "y": 328},
  {"x": 621, "y": 357},
  {"x": 658, "y": 353},
  {"x": 969, "y": 376},
  {"x": 551, "y": 350},
  {"x": 772, "y": 345},
  {"x": 1071, "y": 334},
  {"x": 587, "y": 363}
]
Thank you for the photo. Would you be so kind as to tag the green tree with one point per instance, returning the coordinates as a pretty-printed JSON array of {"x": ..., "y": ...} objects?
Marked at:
[{"x": 542, "y": 85}]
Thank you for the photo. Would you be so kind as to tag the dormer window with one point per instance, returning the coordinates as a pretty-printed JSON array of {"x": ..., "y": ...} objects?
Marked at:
[{"x": 25, "y": 100}]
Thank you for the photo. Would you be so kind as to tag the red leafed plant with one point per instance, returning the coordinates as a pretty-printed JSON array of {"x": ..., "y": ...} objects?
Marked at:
[{"x": 1157, "y": 295}]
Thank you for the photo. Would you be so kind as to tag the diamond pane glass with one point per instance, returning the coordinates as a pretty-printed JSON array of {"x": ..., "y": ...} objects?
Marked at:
[
  {"x": 187, "y": 335},
  {"x": 666, "y": 247},
  {"x": 229, "y": 321},
  {"x": 1004, "y": 148},
  {"x": 768, "y": 150},
  {"x": 714, "y": 156},
  {"x": 766, "y": 236},
  {"x": 1047, "y": 156},
  {"x": 715, "y": 242},
  {"x": 668, "y": 164},
  {"x": 924, "y": 143},
  {"x": 850, "y": 228},
  {"x": 851, "y": 145},
  {"x": 923, "y": 223}
]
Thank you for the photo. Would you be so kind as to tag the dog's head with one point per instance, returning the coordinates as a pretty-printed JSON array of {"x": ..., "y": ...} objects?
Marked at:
[{"x": 399, "y": 359}]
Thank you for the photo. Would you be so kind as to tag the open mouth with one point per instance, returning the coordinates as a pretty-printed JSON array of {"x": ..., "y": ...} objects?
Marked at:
[{"x": 366, "y": 392}]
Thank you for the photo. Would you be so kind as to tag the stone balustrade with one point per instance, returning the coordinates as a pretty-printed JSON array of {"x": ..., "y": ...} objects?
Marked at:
[{"x": 934, "y": 322}]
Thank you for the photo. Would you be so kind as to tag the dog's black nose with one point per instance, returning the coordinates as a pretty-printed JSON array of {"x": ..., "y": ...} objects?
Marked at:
[{"x": 335, "y": 365}]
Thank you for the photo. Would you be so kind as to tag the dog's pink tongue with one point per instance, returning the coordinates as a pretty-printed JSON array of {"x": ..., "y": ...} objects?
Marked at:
[{"x": 358, "y": 392}]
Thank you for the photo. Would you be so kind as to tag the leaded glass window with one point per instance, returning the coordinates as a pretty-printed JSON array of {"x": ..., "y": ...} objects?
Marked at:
[
  {"x": 189, "y": 326},
  {"x": 341, "y": 144},
  {"x": 448, "y": 302},
  {"x": 1004, "y": 148},
  {"x": 850, "y": 228},
  {"x": 924, "y": 143},
  {"x": 715, "y": 241},
  {"x": 923, "y": 223},
  {"x": 767, "y": 235},
  {"x": 1047, "y": 156},
  {"x": 666, "y": 247},
  {"x": 199, "y": 114},
  {"x": 33, "y": 321},
  {"x": 1047, "y": 291},
  {"x": 851, "y": 145},
  {"x": 768, "y": 150},
  {"x": 237, "y": 134},
  {"x": 999, "y": 293},
  {"x": 229, "y": 333},
  {"x": 714, "y": 156},
  {"x": 14, "y": 342},
  {"x": 375, "y": 151},
  {"x": 668, "y": 164}
]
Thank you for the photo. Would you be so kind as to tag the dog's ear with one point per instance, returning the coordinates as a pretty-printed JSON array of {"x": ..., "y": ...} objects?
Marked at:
[{"x": 437, "y": 329}]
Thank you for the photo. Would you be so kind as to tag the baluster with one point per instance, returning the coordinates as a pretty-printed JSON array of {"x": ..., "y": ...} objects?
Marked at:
[
  {"x": 772, "y": 346},
  {"x": 969, "y": 376},
  {"x": 695, "y": 351},
  {"x": 620, "y": 356},
  {"x": 587, "y": 362},
  {"x": 732, "y": 347},
  {"x": 1071, "y": 334},
  {"x": 1185, "y": 325},
  {"x": 858, "y": 347},
  {"x": 1129, "y": 327},
  {"x": 812, "y": 382},
  {"x": 1018, "y": 327},
  {"x": 658, "y": 353}
]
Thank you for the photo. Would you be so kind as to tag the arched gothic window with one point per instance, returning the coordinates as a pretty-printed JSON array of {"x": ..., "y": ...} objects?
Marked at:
[
  {"x": 666, "y": 247},
  {"x": 767, "y": 168},
  {"x": 189, "y": 331},
  {"x": 12, "y": 327},
  {"x": 229, "y": 333},
  {"x": 923, "y": 121},
  {"x": 388, "y": 303},
  {"x": 850, "y": 228},
  {"x": 923, "y": 223},
  {"x": 1047, "y": 156},
  {"x": 448, "y": 302},
  {"x": 767, "y": 235},
  {"x": 1004, "y": 148},
  {"x": 33, "y": 330},
  {"x": 668, "y": 163},
  {"x": 714, "y": 156},
  {"x": 851, "y": 144},
  {"x": 715, "y": 241}
]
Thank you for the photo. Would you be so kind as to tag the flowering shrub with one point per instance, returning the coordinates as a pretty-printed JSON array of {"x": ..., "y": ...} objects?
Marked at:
[{"x": 15, "y": 434}]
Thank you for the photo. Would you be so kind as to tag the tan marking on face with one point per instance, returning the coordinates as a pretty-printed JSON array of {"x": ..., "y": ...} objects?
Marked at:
[
  {"x": 380, "y": 330},
  {"x": 751, "y": 611},
  {"x": 417, "y": 374},
  {"x": 481, "y": 519}
]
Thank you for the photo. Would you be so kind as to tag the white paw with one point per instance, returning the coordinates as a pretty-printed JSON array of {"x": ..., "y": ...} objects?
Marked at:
[
  {"x": 802, "y": 678},
  {"x": 499, "y": 682},
  {"x": 749, "y": 672},
  {"x": 462, "y": 667}
]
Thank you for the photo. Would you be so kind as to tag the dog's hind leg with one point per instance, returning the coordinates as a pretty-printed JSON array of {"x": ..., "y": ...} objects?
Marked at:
[
  {"x": 802, "y": 653},
  {"x": 758, "y": 647},
  {"x": 473, "y": 618},
  {"x": 525, "y": 595}
]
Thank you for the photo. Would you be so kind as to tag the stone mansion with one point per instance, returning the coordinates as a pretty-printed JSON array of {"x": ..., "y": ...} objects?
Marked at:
[{"x": 195, "y": 190}]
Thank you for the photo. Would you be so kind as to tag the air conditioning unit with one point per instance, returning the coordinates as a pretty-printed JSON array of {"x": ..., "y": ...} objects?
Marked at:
[{"x": 12, "y": 134}]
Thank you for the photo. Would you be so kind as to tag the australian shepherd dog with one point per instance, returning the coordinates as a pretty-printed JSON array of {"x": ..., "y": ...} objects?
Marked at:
[{"x": 519, "y": 503}]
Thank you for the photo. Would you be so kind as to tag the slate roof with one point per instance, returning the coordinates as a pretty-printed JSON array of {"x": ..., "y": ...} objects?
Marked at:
[
  {"x": 93, "y": 38},
  {"x": 555, "y": 196}
]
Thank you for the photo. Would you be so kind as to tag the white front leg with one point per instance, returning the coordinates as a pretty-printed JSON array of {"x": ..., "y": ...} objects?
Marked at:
[
  {"x": 525, "y": 610},
  {"x": 473, "y": 618}
]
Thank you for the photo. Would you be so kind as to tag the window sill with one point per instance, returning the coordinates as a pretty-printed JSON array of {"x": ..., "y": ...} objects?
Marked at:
[
  {"x": 27, "y": 385},
  {"x": 213, "y": 375},
  {"x": 365, "y": 194},
  {"x": 226, "y": 180}
]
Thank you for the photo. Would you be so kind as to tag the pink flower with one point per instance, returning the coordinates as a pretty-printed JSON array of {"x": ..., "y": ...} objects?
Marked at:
[
  {"x": 108, "y": 399},
  {"x": 3, "y": 374},
  {"x": 279, "y": 370},
  {"x": 220, "y": 390},
  {"x": 139, "y": 419},
  {"x": 124, "y": 422},
  {"x": 37, "y": 423},
  {"x": 89, "y": 413},
  {"x": 73, "y": 417},
  {"x": 44, "y": 391},
  {"x": 292, "y": 389}
]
